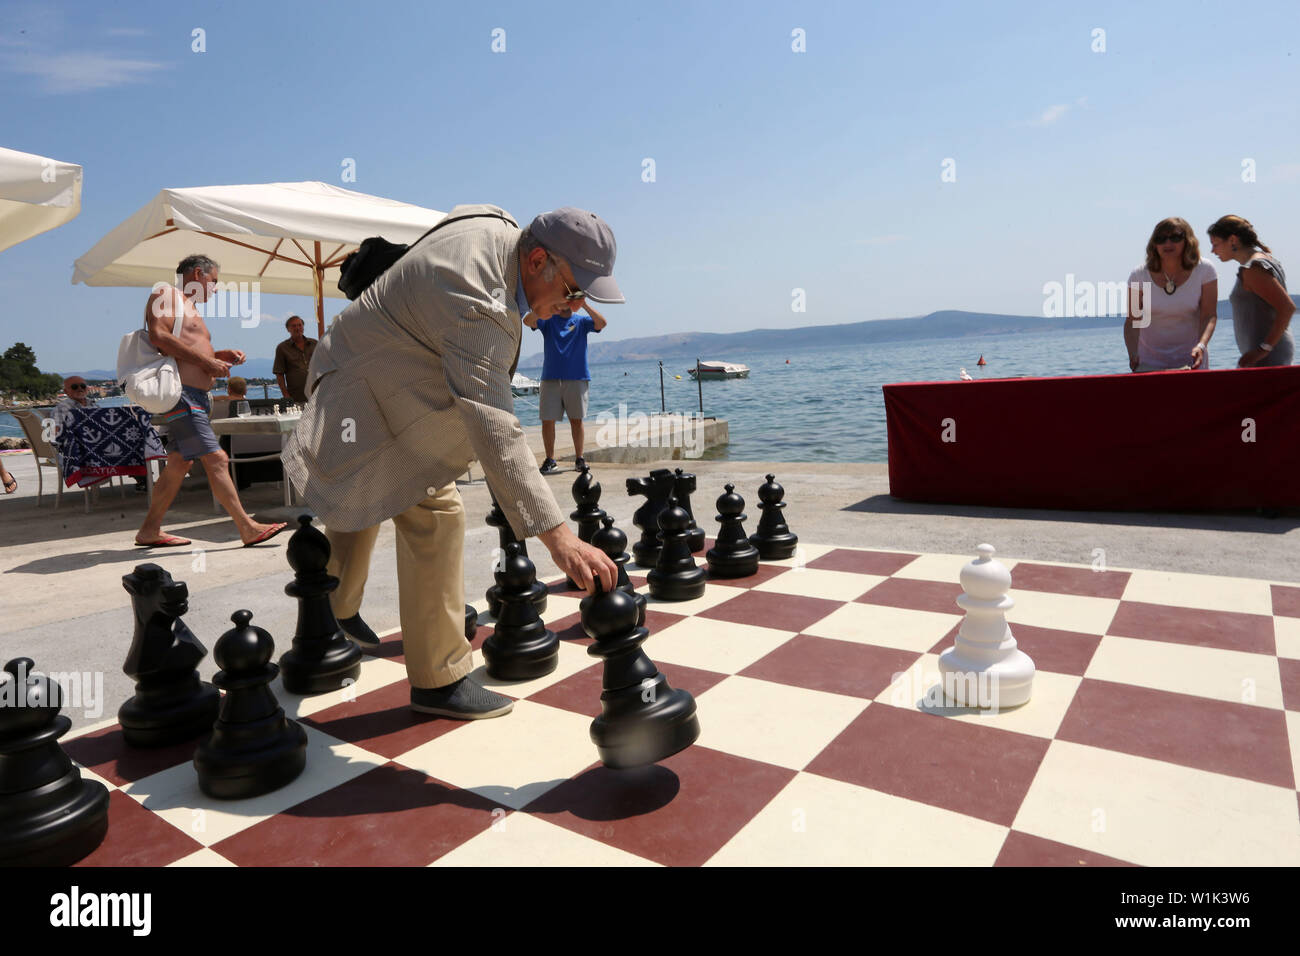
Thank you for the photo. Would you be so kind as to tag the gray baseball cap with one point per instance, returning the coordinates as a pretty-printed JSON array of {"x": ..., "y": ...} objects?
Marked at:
[{"x": 587, "y": 243}]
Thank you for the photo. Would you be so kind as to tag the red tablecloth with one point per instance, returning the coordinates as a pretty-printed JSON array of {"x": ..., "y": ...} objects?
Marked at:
[{"x": 1155, "y": 441}]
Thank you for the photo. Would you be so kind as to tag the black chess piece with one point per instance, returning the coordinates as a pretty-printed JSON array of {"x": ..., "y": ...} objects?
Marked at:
[
  {"x": 643, "y": 720},
  {"x": 683, "y": 488},
  {"x": 614, "y": 543},
  {"x": 774, "y": 540},
  {"x": 496, "y": 518},
  {"x": 520, "y": 646},
  {"x": 675, "y": 577},
  {"x": 49, "y": 816},
  {"x": 322, "y": 658},
  {"x": 732, "y": 556},
  {"x": 657, "y": 488},
  {"x": 170, "y": 703},
  {"x": 254, "y": 747},
  {"x": 471, "y": 622},
  {"x": 586, "y": 495}
]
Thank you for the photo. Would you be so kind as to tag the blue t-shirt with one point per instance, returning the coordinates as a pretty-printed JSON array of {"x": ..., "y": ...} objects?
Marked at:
[{"x": 566, "y": 346}]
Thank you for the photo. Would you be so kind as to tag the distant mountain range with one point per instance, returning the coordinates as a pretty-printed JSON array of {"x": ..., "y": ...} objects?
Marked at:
[{"x": 714, "y": 346}]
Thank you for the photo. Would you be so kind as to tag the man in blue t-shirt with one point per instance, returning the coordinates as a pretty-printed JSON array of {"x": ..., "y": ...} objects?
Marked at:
[{"x": 564, "y": 376}]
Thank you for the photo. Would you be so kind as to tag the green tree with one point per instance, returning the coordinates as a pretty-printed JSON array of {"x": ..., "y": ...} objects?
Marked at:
[{"x": 22, "y": 354}]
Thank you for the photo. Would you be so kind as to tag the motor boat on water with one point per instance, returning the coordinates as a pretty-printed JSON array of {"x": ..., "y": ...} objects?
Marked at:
[
  {"x": 712, "y": 370},
  {"x": 521, "y": 384}
]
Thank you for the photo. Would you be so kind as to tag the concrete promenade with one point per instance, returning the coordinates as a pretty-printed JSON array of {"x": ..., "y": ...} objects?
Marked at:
[{"x": 64, "y": 606}]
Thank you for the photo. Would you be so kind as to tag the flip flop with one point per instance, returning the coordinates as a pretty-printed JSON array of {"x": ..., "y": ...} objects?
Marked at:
[
  {"x": 11, "y": 485},
  {"x": 268, "y": 534},
  {"x": 166, "y": 541}
]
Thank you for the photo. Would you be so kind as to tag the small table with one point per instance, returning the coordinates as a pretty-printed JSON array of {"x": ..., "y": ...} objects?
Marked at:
[{"x": 281, "y": 425}]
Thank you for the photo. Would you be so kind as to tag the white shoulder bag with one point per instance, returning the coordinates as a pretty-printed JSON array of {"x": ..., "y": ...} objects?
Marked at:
[{"x": 150, "y": 378}]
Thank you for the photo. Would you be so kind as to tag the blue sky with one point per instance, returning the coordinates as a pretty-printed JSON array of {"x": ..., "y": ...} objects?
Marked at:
[{"x": 775, "y": 170}]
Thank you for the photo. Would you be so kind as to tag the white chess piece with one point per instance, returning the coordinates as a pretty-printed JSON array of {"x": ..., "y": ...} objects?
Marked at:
[{"x": 985, "y": 669}]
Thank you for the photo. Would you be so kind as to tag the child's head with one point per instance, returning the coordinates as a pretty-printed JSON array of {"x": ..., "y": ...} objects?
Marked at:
[{"x": 237, "y": 387}]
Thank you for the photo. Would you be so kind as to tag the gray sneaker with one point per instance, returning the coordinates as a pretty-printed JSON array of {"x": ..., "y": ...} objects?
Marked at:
[{"x": 465, "y": 700}]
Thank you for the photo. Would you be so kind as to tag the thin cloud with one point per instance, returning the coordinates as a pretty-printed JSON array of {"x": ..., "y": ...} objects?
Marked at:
[
  {"x": 81, "y": 72},
  {"x": 1051, "y": 115}
]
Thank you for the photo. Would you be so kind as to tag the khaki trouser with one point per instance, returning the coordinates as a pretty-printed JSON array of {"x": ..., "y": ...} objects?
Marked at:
[{"x": 430, "y": 585}]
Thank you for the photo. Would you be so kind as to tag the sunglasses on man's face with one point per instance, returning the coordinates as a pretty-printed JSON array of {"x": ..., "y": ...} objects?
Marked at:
[
  {"x": 77, "y": 388},
  {"x": 1170, "y": 237},
  {"x": 570, "y": 295}
]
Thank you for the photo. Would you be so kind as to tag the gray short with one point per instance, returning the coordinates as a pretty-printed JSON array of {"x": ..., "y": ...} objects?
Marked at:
[
  {"x": 559, "y": 396},
  {"x": 188, "y": 429}
]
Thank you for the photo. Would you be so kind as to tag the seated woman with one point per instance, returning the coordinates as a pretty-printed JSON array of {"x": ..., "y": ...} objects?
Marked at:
[
  {"x": 1261, "y": 307},
  {"x": 1171, "y": 303}
]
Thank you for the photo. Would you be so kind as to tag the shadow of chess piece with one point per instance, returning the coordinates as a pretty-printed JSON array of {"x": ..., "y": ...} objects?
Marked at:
[
  {"x": 657, "y": 489},
  {"x": 643, "y": 720},
  {"x": 170, "y": 704},
  {"x": 675, "y": 577},
  {"x": 614, "y": 543},
  {"x": 683, "y": 488},
  {"x": 49, "y": 816},
  {"x": 471, "y": 622},
  {"x": 732, "y": 555},
  {"x": 322, "y": 658},
  {"x": 496, "y": 518},
  {"x": 254, "y": 747},
  {"x": 520, "y": 646},
  {"x": 586, "y": 495},
  {"x": 773, "y": 539}
]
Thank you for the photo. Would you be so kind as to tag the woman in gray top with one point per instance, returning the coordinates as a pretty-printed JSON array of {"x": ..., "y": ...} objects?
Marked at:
[{"x": 1261, "y": 307}]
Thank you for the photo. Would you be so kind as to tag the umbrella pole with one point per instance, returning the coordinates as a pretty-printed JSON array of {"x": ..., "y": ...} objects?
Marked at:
[{"x": 320, "y": 295}]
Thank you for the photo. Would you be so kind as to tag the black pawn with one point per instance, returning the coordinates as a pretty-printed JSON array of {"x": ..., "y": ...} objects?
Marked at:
[
  {"x": 520, "y": 646},
  {"x": 657, "y": 488},
  {"x": 170, "y": 704},
  {"x": 322, "y": 658},
  {"x": 254, "y": 747},
  {"x": 683, "y": 488},
  {"x": 774, "y": 540},
  {"x": 496, "y": 518},
  {"x": 643, "y": 720},
  {"x": 732, "y": 556},
  {"x": 471, "y": 622},
  {"x": 49, "y": 816},
  {"x": 675, "y": 577},
  {"x": 614, "y": 543}
]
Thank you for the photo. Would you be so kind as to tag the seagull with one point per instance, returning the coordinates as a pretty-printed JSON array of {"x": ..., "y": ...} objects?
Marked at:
[{"x": 965, "y": 376}]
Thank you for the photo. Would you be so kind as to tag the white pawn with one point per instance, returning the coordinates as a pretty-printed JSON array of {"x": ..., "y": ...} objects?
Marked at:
[{"x": 985, "y": 669}]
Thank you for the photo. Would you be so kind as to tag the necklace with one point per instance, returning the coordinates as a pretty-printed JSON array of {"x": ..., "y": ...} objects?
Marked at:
[{"x": 1170, "y": 288}]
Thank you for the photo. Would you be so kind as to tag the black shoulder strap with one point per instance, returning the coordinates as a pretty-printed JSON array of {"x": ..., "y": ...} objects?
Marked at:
[{"x": 448, "y": 222}]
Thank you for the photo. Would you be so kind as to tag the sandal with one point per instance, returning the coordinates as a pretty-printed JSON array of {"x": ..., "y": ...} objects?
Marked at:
[
  {"x": 11, "y": 485},
  {"x": 267, "y": 535},
  {"x": 166, "y": 541}
]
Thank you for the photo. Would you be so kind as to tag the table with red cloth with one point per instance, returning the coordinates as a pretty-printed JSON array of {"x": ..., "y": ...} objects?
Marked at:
[
  {"x": 1178, "y": 440},
  {"x": 95, "y": 444}
]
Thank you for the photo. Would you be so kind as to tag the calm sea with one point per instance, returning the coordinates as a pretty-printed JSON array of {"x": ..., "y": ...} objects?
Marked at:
[{"x": 826, "y": 403}]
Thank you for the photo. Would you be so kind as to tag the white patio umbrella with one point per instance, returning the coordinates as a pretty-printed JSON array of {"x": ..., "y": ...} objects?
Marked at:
[
  {"x": 289, "y": 237},
  {"x": 36, "y": 195}
]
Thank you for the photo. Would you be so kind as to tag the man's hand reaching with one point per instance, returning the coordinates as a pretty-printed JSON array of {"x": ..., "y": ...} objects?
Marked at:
[{"x": 579, "y": 560}]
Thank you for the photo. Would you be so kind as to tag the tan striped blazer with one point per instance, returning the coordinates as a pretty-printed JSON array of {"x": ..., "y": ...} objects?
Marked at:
[{"x": 412, "y": 381}]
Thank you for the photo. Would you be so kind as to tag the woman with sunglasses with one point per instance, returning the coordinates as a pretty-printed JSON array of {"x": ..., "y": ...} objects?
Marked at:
[
  {"x": 1171, "y": 303},
  {"x": 1261, "y": 307}
]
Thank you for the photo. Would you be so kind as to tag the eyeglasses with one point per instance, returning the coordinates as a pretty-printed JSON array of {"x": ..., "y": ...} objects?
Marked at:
[
  {"x": 77, "y": 388},
  {"x": 1170, "y": 237},
  {"x": 570, "y": 295}
]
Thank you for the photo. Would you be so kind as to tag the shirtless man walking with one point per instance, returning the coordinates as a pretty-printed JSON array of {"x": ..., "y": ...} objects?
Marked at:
[{"x": 189, "y": 430}]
